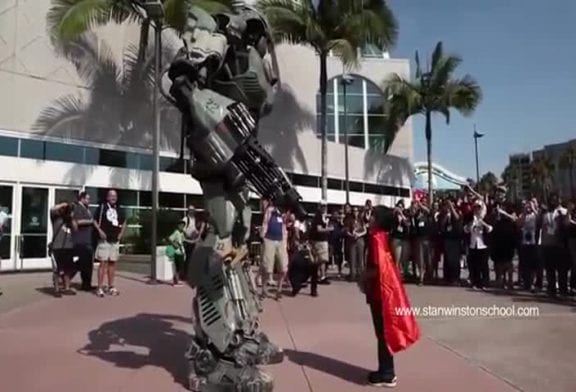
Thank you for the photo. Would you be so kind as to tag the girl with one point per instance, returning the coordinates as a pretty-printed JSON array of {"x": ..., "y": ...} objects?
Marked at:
[{"x": 176, "y": 253}]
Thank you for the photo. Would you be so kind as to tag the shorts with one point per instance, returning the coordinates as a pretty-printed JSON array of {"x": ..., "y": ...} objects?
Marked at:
[
  {"x": 107, "y": 251},
  {"x": 320, "y": 252},
  {"x": 272, "y": 251}
]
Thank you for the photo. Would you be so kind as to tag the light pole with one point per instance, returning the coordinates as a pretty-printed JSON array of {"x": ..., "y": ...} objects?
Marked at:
[
  {"x": 346, "y": 80},
  {"x": 476, "y": 137},
  {"x": 155, "y": 12}
]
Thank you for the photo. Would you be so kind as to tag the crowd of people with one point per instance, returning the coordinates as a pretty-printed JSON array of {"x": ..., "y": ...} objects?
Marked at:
[
  {"x": 531, "y": 244},
  {"x": 80, "y": 237}
]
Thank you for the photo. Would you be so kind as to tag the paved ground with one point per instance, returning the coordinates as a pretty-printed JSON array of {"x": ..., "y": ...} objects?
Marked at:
[{"x": 136, "y": 342}]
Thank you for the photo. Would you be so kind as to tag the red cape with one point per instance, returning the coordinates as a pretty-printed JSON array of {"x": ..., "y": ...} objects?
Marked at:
[{"x": 400, "y": 329}]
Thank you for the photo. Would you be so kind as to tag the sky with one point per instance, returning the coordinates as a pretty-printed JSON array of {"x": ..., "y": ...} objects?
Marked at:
[{"x": 523, "y": 55}]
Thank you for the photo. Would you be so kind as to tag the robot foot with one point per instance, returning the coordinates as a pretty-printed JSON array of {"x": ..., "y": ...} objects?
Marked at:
[
  {"x": 227, "y": 376},
  {"x": 268, "y": 353}
]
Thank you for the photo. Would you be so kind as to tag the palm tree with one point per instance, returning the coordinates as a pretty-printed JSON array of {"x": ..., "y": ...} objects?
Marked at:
[
  {"x": 541, "y": 170},
  {"x": 436, "y": 90},
  {"x": 339, "y": 27},
  {"x": 69, "y": 19},
  {"x": 120, "y": 99},
  {"x": 568, "y": 162}
]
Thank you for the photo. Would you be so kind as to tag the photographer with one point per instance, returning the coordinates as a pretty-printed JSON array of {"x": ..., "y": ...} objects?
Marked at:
[{"x": 62, "y": 248}]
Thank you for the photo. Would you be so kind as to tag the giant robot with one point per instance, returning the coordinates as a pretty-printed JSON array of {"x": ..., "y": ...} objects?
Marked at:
[{"x": 222, "y": 81}]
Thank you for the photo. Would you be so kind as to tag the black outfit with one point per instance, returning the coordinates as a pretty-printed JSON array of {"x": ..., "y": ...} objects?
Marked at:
[
  {"x": 83, "y": 245},
  {"x": 451, "y": 233},
  {"x": 385, "y": 358},
  {"x": 503, "y": 240},
  {"x": 337, "y": 244},
  {"x": 61, "y": 246},
  {"x": 301, "y": 269},
  {"x": 317, "y": 236}
]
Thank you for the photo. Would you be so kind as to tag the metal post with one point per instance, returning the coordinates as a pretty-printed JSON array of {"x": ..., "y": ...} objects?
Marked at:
[
  {"x": 347, "y": 168},
  {"x": 156, "y": 145},
  {"x": 476, "y": 136},
  {"x": 346, "y": 80}
]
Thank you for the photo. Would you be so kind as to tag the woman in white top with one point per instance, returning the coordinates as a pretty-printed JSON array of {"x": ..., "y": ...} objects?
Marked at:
[
  {"x": 530, "y": 264},
  {"x": 478, "y": 252}
]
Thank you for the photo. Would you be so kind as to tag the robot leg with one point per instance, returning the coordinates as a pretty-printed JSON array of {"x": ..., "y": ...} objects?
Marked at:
[{"x": 220, "y": 357}]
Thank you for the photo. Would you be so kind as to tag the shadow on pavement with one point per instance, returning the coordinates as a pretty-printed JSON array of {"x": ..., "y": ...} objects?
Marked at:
[
  {"x": 142, "y": 340},
  {"x": 525, "y": 297},
  {"x": 331, "y": 366}
]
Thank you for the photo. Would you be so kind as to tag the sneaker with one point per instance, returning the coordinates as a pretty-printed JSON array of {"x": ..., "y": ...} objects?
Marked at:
[
  {"x": 378, "y": 380},
  {"x": 113, "y": 291},
  {"x": 100, "y": 292}
]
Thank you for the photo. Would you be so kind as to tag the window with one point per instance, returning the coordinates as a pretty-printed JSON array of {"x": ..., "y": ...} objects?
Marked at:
[
  {"x": 355, "y": 106},
  {"x": 112, "y": 158},
  {"x": 64, "y": 152},
  {"x": 34, "y": 149},
  {"x": 372, "y": 51},
  {"x": 171, "y": 165},
  {"x": 8, "y": 146},
  {"x": 171, "y": 200}
]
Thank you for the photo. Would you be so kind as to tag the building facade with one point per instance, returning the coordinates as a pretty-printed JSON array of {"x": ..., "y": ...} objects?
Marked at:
[
  {"x": 69, "y": 120},
  {"x": 561, "y": 158},
  {"x": 521, "y": 180}
]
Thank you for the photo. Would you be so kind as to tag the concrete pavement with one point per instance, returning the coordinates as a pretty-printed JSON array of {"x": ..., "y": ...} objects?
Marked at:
[{"x": 136, "y": 342}]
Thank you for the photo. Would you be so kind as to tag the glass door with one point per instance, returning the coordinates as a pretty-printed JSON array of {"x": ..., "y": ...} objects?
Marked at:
[
  {"x": 6, "y": 232},
  {"x": 33, "y": 233}
]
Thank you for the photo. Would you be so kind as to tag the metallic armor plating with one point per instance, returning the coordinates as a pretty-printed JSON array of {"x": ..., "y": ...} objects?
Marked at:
[{"x": 222, "y": 81}]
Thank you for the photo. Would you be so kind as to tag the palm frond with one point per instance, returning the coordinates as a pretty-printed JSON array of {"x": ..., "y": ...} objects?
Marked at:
[
  {"x": 68, "y": 19},
  {"x": 418, "y": 73},
  {"x": 437, "y": 54},
  {"x": 345, "y": 51},
  {"x": 289, "y": 19},
  {"x": 462, "y": 94},
  {"x": 63, "y": 116},
  {"x": 88, "y": 54},
  {"x": 443, "y": 70}
]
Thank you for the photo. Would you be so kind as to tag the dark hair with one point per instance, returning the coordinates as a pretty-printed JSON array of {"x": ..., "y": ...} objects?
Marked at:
[
  {"x": 384, "y": 218},
  {"x": 82, "y": 195}
]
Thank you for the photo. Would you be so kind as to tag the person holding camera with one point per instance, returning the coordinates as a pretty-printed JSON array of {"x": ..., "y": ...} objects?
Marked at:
[{"x": 62, "y": 248}]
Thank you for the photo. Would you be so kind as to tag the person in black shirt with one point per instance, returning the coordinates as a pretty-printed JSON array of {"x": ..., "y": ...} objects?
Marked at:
[
  {"x": 503, "y": 241},
  {"x": 337, "y": 240},
  {"x": 111, "y": 224},
  {"x": 452, "y": 235},
  {"x": 420, "y": 226},
  {"x": 319, "y": 234},
  {"x": 400, "y": 237},
  {"x": 83, "y": 224}
]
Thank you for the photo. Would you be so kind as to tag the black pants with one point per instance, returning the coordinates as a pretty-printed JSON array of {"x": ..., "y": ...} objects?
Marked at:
[
  {"x": 64, "y": 261},
  {"x": 85, "y": 255},
  {"x": 530, "y": 266},
  {"x": 301, "y": 269},
  {"x": 478, "y": 264},
  {"x": 385, "y": 358},
  {"x": 557, "y": 264},
  {"x": 452, "y": 251},
  {"x": 189, "y": 249}
]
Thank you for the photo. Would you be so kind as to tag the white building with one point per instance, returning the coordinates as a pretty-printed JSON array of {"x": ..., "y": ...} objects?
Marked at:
[{"x": 44, "y": 162}]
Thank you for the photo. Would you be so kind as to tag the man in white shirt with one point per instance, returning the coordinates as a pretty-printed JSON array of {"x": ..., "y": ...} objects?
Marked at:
[
  {"x": 554, "y": 250},
  {"x": 478, "y": 252},
  {"x": 530, "y": 263}
]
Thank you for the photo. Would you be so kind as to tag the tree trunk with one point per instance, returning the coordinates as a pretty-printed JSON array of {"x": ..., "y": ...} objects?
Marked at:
[
  {"x": 323, "y": 108},
  {"x": 143, "y": 43},
  {"x": 429, "y": 155}
]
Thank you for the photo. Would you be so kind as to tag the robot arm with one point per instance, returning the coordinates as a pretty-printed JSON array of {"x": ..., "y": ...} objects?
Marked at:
[{"x": 221, "y": 130}]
